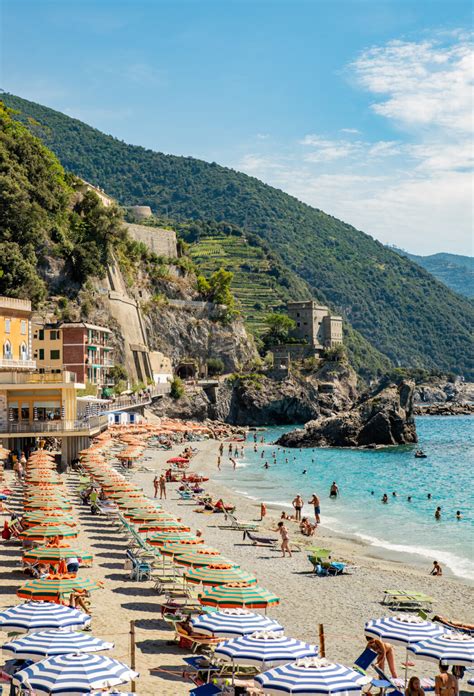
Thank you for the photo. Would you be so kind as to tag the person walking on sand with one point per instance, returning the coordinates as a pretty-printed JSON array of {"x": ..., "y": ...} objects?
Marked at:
[
  {"x": 285, "y": 539},
  {"x": 446, "y": 684},
  {"x": 156, "y": 483},
  {"x": 162, "y": 487},
  {"x": 219, "y": 462},
  {"x": 298, "y": 505},
  {"x": 334, "y": 490},
  {"x": 263, "y": 511},
  {"x": 317, "y": 509}
]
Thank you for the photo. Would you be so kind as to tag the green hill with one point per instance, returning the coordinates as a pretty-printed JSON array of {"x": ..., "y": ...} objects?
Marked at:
[
  {"x": 454, "y": 270},
  {"x": 397, "y": 306}
]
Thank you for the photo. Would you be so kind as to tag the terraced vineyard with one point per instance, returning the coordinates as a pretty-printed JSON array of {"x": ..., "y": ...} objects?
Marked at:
[{"x": 256, "y": 290}]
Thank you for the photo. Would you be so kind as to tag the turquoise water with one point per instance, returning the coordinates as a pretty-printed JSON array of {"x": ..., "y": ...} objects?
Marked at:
[{"x": 399, "y": 525}]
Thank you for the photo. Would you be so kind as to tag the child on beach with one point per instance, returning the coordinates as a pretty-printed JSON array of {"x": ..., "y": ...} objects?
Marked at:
[
  {"x": 436, "y": 569},
  {"x": 414, "y": 688}
]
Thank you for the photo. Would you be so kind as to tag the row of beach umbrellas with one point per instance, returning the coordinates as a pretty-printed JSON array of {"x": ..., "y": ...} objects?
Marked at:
[{"x": 64, "y": 660}]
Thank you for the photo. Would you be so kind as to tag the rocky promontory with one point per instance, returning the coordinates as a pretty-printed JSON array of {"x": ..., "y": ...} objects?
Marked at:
[{"x": 384, "y": 417}]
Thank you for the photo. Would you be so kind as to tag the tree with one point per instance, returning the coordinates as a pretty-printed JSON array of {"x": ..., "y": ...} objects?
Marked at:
[
  {"x": 279, "y": 328},
  {"x": 220, "y": 287}
]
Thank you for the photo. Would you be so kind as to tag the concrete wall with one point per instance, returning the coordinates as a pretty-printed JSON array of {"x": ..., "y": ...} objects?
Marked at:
[{"x": 161, "y": 242}]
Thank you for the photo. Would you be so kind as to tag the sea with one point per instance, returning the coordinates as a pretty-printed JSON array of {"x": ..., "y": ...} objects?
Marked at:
[{"x": 402, "y": 527}]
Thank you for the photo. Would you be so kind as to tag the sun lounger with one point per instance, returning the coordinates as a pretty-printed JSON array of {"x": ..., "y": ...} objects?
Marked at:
[
  {"x": 140, "y": 570},
  {"x": 364, "y": 661},
  {"x": 259, "y": 540},
  {"x": 398, "y": 683},
  {"x": 238, "y": 525},
  {"x": 405, "y": 599}
]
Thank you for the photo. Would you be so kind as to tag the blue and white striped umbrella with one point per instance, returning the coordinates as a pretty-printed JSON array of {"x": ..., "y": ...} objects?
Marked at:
[
  {"x": 73, "y": 675},
  {"x": 451, "y": 648},
  {"x": 230, "y": 623},
  {"x": 402, "y": 630},
  {"x": 312, "y": 676},
  {"x": 37, "y": 646},
  {"x": 39, "y": 616},
  {"x": 264, "y": 648}
]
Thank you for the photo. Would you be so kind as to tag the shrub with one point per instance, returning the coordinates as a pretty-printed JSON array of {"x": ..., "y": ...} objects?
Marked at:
[
  {"x": 215, "y": 366},
  {"x": 177, "y": 388}
]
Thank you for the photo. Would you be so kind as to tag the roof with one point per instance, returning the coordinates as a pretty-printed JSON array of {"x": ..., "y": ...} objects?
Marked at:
[{"x": 85, "y": 325}]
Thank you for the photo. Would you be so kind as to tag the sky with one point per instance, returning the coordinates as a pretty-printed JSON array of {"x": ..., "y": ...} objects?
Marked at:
[{"x": 362, "y": 108}]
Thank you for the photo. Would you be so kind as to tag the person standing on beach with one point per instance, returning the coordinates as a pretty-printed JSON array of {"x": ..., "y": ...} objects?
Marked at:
[
  {"x": 334, "y": 490},
  {"x": 263, "y": 511},
  {"x": 219, "y": 462},
  {"x": 446, "y": 684},
  {"x": 317, "y": 509},
  {"x": 221, "y": 449},
  {"x": 298, "y": 505},
  {"x": 156, "y": 483},
  {"x": 285, "y": 539},
  {"x": 162, "y": 487}
]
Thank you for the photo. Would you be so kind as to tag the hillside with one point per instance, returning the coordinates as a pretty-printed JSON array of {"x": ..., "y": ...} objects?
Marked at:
[
  {"x": 398, "y": 307},
  {"x": 454, "y": 270}
]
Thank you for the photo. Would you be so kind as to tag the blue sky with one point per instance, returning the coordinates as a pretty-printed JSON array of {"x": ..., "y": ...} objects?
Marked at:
[{"x": 361, "y": 108}]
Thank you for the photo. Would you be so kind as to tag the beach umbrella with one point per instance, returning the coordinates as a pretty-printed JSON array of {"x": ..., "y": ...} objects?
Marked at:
[
  {"x": 402, "y": 630},
  {"x": 163, "y": 526},
  {"x": 238, "y": 594},
  {"x": 177, "y": 460},
  {"x": 179, "y": 547},
  {"x": 230, "y": 623},
  {"x": 60, "y": 641},
  {"x": 195, "y": 558},
  {"x": 41, "y": 531},
  {"x": 264, "y": 649},
  {"x": 449, "y": 647},
  {"x": 56, "y": 553},
  {"x": 50, "y": 588},
  {"x": 43, "y": 517},
  {"x": 37, "y": 616},
  {"x": 218, "y": 574},
  {"x": 73, "y": 675},
  {"x": 160, "y": 538},
  {"x": 312, "y": 676}
]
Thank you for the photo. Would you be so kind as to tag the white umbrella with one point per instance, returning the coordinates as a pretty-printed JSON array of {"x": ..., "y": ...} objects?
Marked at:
[
  {"x": 38, "y": 616},
  {"x": 230, "y": 623},
  {"x": 37, "y": 646},
  {"x": 450, "y": 648},
  {"x": 312, "y": 676}
]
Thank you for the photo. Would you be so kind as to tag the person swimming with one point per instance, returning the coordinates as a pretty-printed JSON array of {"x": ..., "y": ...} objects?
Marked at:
[
  {"x": 409, "y": 499},
  {"x": 303, "y": 472},
  {"x": 458, "y": 515},
  {"x": 437, "y": 513},
  {"x": 385, "y": 498}
]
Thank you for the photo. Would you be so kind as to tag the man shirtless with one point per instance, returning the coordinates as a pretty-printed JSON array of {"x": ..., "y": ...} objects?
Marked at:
[{"x": 317, "y": 509}]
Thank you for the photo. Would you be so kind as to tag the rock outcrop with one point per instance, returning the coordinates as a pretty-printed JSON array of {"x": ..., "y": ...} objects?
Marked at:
[
  {"x": 442, "y": 391},
  {"x": 383, "y": 418}
]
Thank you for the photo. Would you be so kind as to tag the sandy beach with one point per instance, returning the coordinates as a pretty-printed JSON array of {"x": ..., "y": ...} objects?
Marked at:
[{"x": 342, "y": 604}]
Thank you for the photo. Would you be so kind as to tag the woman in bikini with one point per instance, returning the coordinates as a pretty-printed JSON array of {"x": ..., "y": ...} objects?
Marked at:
[
  {"x": 446, "y": 684},
  {"x": 384, "y": 652}
]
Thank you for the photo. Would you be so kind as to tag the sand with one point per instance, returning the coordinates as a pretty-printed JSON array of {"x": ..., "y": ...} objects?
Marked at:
[{"x": 342, "y": 604}]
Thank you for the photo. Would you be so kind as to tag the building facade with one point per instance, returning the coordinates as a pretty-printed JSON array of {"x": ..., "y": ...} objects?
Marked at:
[
  {"x": 15, "y": 334},
  {"x": 315, "y": 325},
  {"x": 78, "y": 347}
]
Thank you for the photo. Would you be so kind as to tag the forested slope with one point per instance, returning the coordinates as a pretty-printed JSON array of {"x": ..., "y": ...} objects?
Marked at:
[
  {"x": 454, "y": 270},
  {"x": 400, "y": 308}
]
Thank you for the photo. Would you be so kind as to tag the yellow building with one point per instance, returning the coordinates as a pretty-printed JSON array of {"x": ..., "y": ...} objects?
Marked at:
[{"x": 15, "y": 334}]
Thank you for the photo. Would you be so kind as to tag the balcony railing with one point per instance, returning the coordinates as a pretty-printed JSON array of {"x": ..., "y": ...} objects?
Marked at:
[
  {"x": 91, "y": 425},
  {"x": 11, "y": 364},
  {"x": 37, "y": 377}
]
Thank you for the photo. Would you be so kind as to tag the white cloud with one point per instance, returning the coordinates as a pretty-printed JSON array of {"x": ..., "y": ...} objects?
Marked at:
[{"x": 414, "y": 190}]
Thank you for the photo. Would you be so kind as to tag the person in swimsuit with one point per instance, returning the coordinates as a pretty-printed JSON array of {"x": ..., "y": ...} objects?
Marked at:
[
  {"x": 436, "y": 570},
  {"x": 384, "y": 653},
  {"x": 334, "y": 490},
  {"x": 385, "y": 498},
  {"x": 317, "y": 509},
  {"x": 298, "y": 505},
  {"x": 446, "y": 684},
  {"x": 285, "y": 539},
  {"x": 438, "y": 513},
  {"x": 414, "y": 688},
  {"x": 458, "y": 515}
]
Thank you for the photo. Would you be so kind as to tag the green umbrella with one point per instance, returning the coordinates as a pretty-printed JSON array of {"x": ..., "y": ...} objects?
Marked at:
[
  {"x": 218, "y": 574},
  {"x": 235, "y": 595}
]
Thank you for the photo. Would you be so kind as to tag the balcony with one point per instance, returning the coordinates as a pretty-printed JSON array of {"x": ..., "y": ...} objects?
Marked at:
[
  {"x": 89, "y": 426},
  {"x": 11, "y": 364},
  {"x": 64, "y": 377}
]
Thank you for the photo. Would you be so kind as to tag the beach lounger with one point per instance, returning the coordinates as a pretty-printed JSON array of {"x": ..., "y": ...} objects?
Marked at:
[
  {"x": 259, "y": 540},
  {"x": 238, "y": 525},
  {"x": 365, "y": 659},
  {"x": 140, "y": 570},
  {"x": 405, "y": 599},
  {"x": 206, "y": 690},
  {"x": 398, "y": 683}
]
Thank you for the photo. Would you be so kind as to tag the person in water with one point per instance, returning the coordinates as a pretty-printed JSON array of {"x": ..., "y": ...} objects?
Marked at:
[
  {"x": 458, "y": 515},
  {"x": 438, "y": 513},
  {"x": 429, "y": 496},
  {"x": 385, "y": 498},
  {"x": 409, "y": 499},
  {"x": 394, "y": 494},
  {"x": 436, "y": 569},
  {"x": 334, "y": 490}
]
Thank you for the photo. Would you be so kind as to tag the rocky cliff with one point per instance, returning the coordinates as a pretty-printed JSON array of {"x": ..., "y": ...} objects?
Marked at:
[
  {"x": 257, "y": 399},
  {"x": 384, "y": 418},
  {"x": 443, "y": 391}
]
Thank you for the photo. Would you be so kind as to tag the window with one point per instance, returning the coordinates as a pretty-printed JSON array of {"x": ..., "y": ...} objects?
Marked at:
[
  {"x": 23, "y": 351},
  {"x": 23, "y": 328},
  {"x": 7, "y": 325},
  {"x": 25, "y": 412},
  {"x": 54, "y": 335},
  {"x": 54, "y": 354},
  {"x": 7, "y": 350},
  {"x": 41, "y": 353},
  {"x": 41, "y": 335}
]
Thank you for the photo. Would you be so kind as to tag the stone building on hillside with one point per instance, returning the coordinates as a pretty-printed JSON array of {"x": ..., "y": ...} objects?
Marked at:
[{"x": 315, "y": 324}]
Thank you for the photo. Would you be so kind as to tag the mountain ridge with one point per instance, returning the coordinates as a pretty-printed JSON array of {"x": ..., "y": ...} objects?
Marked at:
[
  {"x": 399, "y": 308},
  {"x": 454, "y": 270}
]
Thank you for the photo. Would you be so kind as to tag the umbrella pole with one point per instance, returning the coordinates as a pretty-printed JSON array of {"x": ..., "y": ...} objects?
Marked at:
[{"x": 132, "y": 650}]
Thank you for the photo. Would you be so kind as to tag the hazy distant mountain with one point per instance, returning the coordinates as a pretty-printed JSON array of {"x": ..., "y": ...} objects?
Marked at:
[{"x": 455, "y": 271}]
